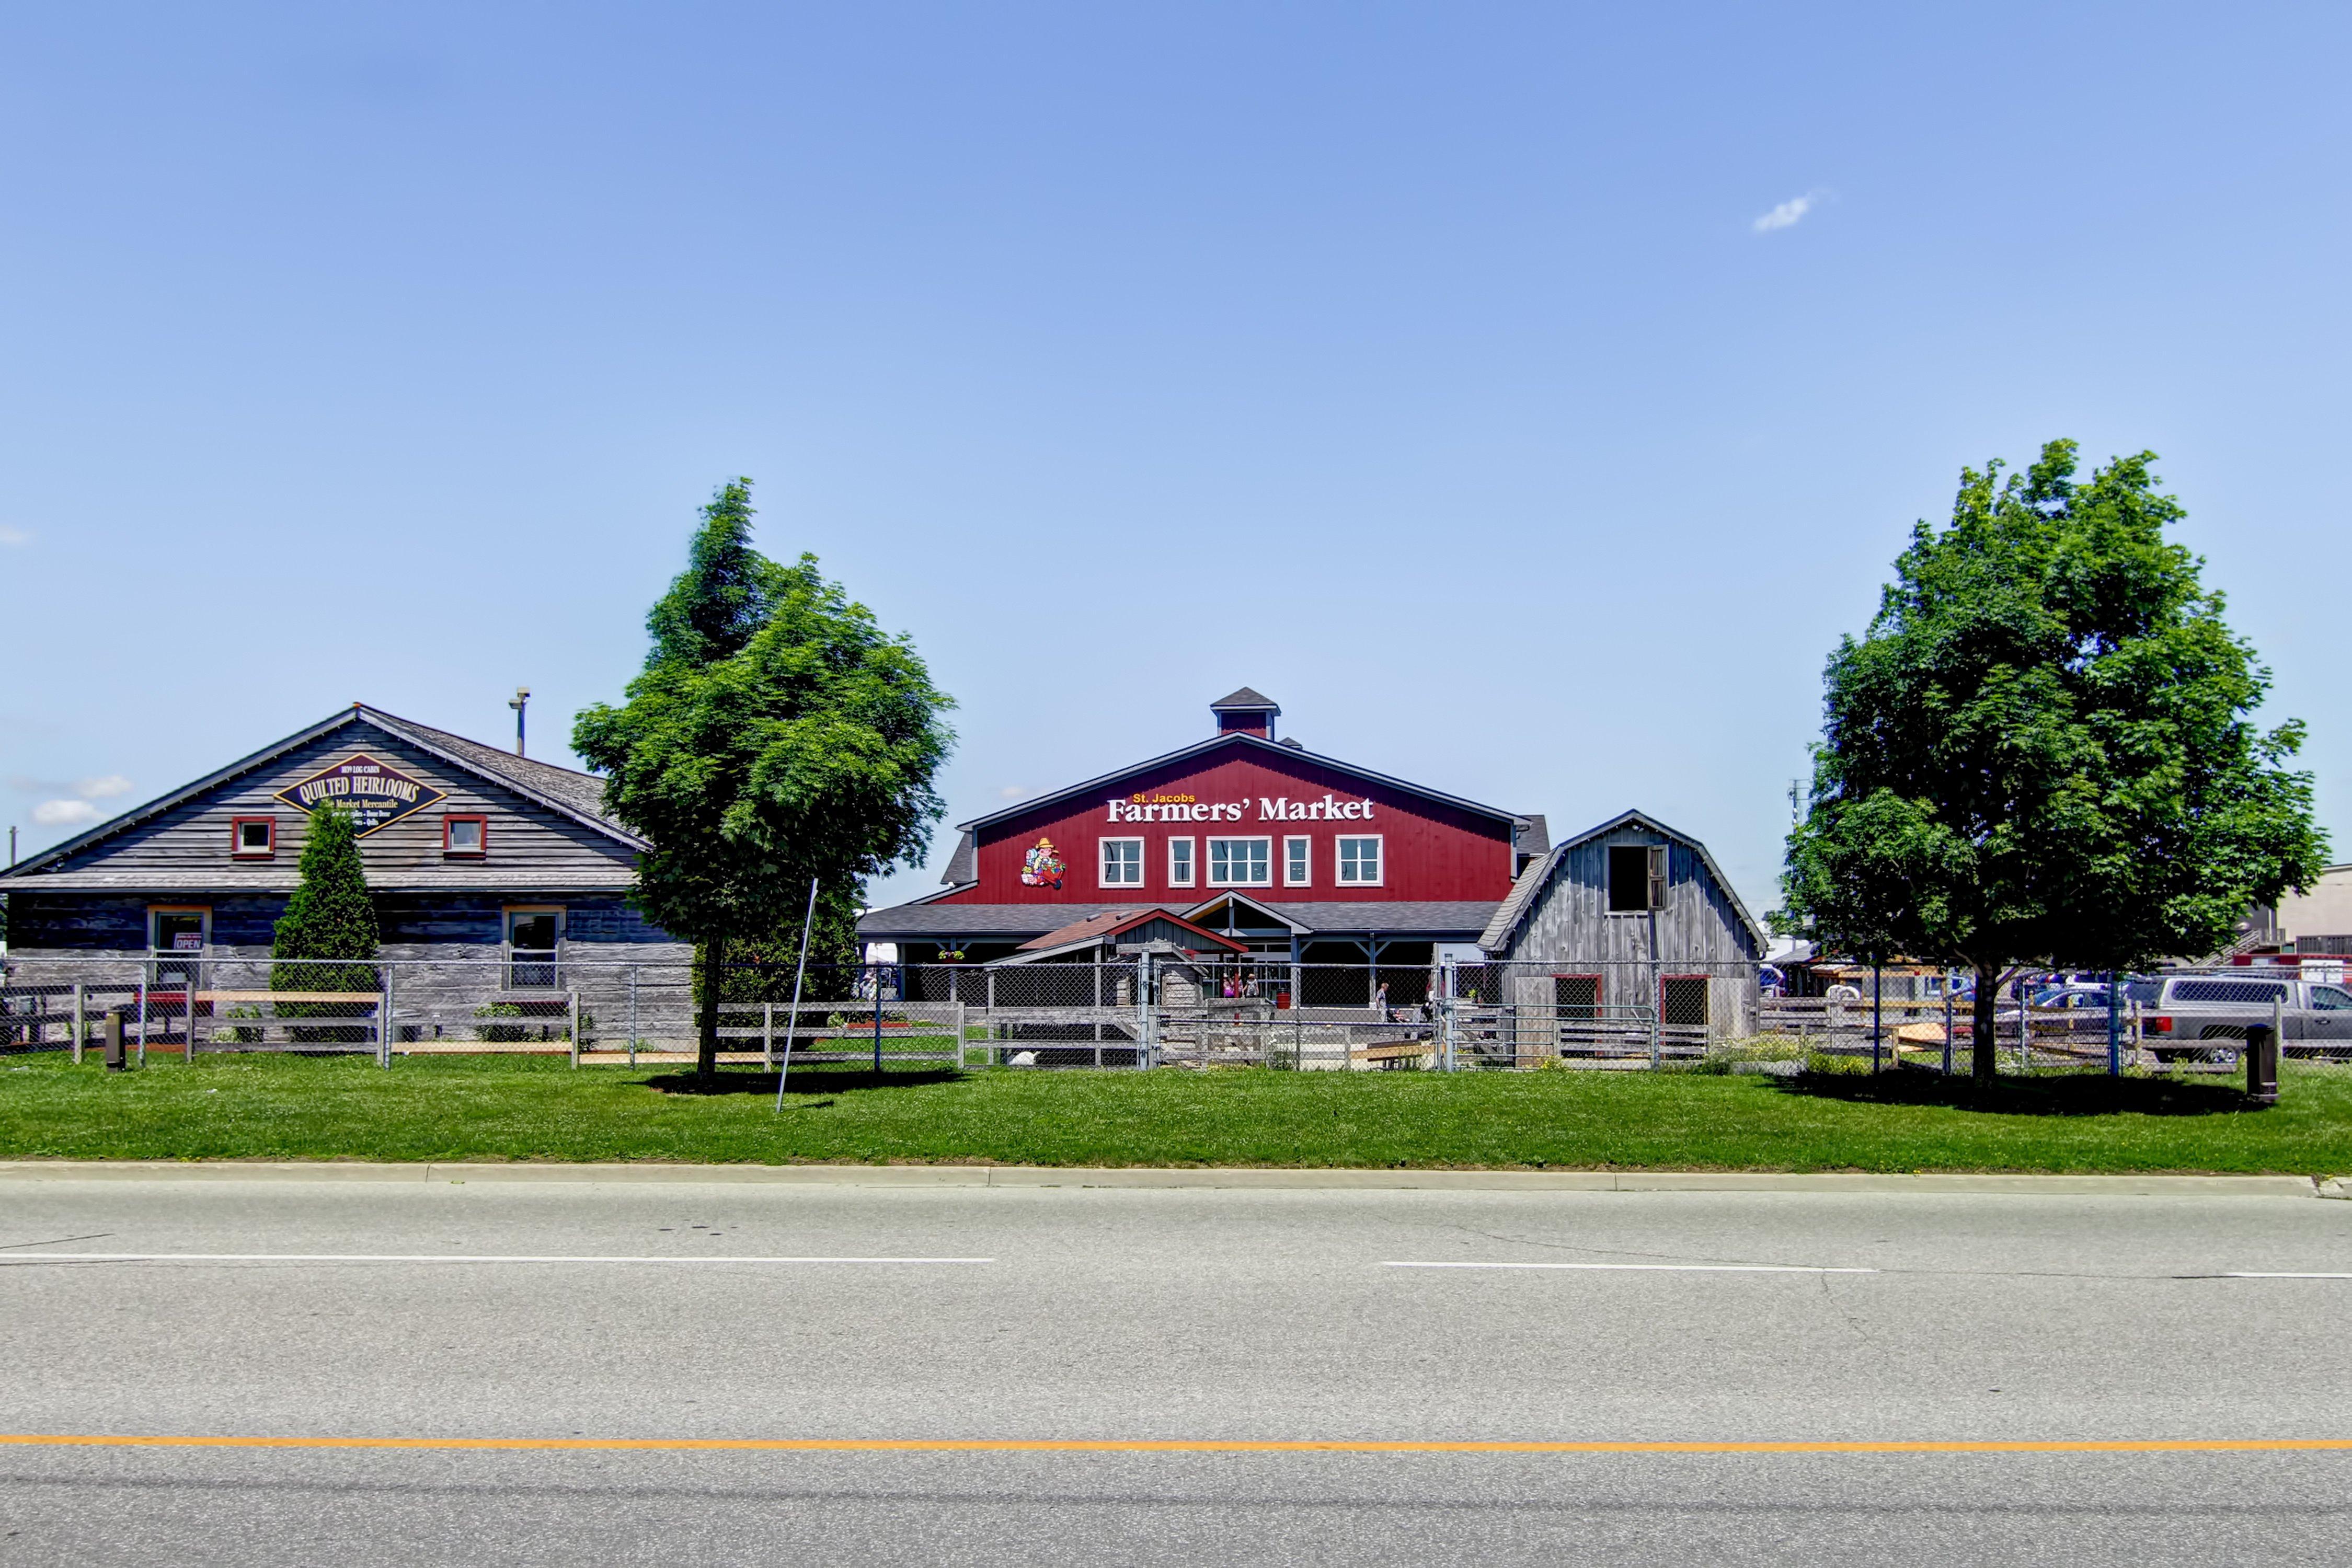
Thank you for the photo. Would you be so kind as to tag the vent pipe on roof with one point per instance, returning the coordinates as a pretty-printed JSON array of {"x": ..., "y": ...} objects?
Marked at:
[{"x": 521, "y": 700}]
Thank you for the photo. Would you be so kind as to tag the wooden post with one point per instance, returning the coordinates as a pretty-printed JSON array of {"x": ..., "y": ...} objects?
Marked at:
[
  {"x": 80, "y": 1014},
  {"x": 958, "y": 1028},
  {"x": 767, "y": 1034},
  {"x": 571, "y": 1008}
]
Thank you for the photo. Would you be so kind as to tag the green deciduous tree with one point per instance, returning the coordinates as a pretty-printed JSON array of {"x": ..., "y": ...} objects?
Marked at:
[
  {"x": 330, "y": 922},
  {"x": 2042, "y": 750},
  {"x": 776, "y": 734}
]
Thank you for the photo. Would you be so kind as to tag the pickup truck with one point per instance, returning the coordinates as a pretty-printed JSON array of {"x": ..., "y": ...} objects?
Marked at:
[{"x": 2207, "y": 1015}]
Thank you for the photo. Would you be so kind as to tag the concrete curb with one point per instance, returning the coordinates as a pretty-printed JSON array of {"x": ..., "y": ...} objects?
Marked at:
[{"x": 1212, "y": 1177}]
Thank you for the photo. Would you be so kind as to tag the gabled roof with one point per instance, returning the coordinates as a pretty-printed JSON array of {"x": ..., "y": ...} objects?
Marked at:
[
  {"x": 1274, "y": 918},
  {"x": 1098, "y": 929},
  {"x": 568, "y": 793},
  {"x": 1245, "y": 701},
  {"x": 1237, "y": 738},
  {"x": 1530, "y": 884},
  {"x": 963, "y": 866}
]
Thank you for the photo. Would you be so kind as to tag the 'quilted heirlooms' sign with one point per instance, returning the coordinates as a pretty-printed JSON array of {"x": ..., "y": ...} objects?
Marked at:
[{"x": 374, "y": 792}]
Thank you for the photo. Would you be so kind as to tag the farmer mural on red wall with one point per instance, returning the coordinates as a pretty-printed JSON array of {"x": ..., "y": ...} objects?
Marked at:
[{"x": 1041, "y": 867}]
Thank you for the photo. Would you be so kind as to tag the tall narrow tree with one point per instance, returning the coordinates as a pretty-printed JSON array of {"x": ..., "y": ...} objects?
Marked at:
[
  {"x": 2042, "y": 750},
  {"x": 776, "y": 734},
  {"x": 327, "y": 938}
]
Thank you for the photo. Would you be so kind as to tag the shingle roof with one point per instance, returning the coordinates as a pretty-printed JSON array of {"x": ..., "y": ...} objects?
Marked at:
[
  {"x": 1513, "y": 909},
  {"x": 1245, "y": 701},
  {"x": 1241, "y": 740},
  {"x": 577, "y": 795},
  {"x": 1111, "y": 922},
  {"x": 1531, "y": 836},
  {"x": 963, "y": 866},
  {"x": 583, "y": 793},
  {"x": 1404, "y": 919}
]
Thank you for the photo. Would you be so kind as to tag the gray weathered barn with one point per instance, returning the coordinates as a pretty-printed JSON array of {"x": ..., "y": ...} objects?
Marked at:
[
  {"x": 478, "y": 860},
  {"x": 1628, "y": 917}
]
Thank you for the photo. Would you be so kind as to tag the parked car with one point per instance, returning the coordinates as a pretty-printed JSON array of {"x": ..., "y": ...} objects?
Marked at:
[
  {"x": 2184, "y": 1015},
  {"x": 2073, "y": 997}
]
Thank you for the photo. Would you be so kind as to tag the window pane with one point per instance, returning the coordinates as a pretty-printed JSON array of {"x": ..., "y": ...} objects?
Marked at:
[
  {"x": 1629, "y": 878},
  {"x": 1683, "y": 1001},
  {"x": 535, "y": 932}
]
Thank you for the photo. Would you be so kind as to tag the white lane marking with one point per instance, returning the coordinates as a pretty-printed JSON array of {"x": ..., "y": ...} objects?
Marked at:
[
  {"x": 2251, "y": 1274},
  {"x": 424, "y": 1258},
  {"x": 1649, "y": 1268}
]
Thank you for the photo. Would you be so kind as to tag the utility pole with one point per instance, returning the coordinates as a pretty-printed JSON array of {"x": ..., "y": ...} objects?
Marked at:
[{"x": 521, "y": 700}]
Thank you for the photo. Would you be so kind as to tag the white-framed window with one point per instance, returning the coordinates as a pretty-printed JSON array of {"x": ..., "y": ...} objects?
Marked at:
[
  {"x": 178, "y": 934},
  {"x": 534, "y": 936},
  {"x": 253, "y": 837},
  {"x": 1297, "y": 861},
  {"x": 1360, "y": 861},
  {"x": 1180, "y": 862},
  {"x": 178, "y": 928},
  {"x": 1241, "y": 862},
  {"x": 1122, "y": 863}
]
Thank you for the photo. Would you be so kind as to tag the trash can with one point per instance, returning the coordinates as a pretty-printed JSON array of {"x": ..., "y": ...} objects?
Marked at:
[{"x": 2262, "y": 1064}]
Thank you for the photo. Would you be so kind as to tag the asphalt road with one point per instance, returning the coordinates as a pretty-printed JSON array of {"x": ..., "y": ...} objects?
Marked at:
[{"x": 325, "y": 1310}]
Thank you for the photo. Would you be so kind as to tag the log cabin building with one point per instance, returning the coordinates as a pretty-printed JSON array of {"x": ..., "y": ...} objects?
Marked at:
[
  {"x": 1298, "y": 858},
  {"x": 475, "y": 855}
]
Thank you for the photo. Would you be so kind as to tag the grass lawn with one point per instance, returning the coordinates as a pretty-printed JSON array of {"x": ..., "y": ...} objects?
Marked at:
[{"x": 478, "y": 1108}]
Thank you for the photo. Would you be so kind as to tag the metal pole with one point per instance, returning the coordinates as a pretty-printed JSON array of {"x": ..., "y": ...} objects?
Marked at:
[
  {"x": 1143, "y": 1009},
  {"x": 791, "y": 1022},
  {"x": 2114, "y": 1025},
  {"x": 1441, "y": 1013},
  {"x": 81, "y": 1015},
  {"x": 1877, "y": 1011},
  {"x": 142, "y": 1023},
  {"x": 386, "y": 1026},
  {"x": 1948, "y": 1023},
  {"x": 2024, "y": 1026},
  {"x": 877, "y": 1019}
]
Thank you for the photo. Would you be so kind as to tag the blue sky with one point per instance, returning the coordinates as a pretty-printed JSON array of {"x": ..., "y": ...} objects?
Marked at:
[{"x": 1434, "y": 369}]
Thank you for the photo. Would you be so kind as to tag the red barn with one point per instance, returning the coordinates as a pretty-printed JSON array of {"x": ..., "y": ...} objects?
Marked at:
[{"x": 1302, "y": 857}]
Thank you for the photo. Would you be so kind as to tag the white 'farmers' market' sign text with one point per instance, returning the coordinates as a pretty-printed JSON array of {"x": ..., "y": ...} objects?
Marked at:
[{"x": 1274, "y": 809}]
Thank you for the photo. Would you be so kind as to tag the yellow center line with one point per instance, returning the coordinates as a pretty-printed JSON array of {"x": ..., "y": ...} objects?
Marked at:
[{"x": 1181, "y": 1445}]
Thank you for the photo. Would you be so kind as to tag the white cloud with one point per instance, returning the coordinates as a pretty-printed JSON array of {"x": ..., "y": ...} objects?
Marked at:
[
  {"x": 1010, "y": 792},
  {"x": 1789, "y": 213},
  {"x": 9, "y": 536},
  {"x": 64, "y": 813},
  {"x": 105, "y": 789}
]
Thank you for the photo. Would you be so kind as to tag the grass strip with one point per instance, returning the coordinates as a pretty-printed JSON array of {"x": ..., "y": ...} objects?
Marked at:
[{"x": 536, "y": 1108}]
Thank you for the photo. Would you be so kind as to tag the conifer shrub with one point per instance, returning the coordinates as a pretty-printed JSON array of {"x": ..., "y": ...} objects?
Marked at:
[{"x": 328, "y": 937}]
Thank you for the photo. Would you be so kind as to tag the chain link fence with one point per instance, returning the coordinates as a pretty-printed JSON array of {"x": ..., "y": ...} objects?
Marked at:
[{"x": 1134, "y": 1009}]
